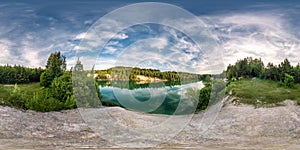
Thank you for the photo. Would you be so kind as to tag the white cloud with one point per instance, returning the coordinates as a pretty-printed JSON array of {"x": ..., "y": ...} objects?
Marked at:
[
  {"x": 32, "y": 58},
  {"x": 121, "y": 36},
  {"x": 89, "y": 61},
  {"x": 80, "y": 36},
  {"x": 5, "y": 56},
  {"x": 159, "y": 43},
  {"x": 256, "y": 35}
]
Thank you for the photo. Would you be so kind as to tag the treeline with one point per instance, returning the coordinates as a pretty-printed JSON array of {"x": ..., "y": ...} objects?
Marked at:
[
  {"x": 129, "y": 73},
  {"x": 249, "y": 68},
  {"x": 57, "y": 90},
  {"x": 19, "y": 74}
]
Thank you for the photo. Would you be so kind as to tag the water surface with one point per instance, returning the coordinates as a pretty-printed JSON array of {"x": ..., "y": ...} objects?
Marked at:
[{"x": 161, "y": 97}]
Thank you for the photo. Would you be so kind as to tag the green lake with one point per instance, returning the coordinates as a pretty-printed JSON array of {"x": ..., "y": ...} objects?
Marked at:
[{"x": 159, "y": 97}]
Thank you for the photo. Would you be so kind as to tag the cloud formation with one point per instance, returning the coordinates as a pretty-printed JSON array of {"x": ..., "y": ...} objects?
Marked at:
[
  {"x": 257, "y": 35},
  {"x": 29, "y": 33}
]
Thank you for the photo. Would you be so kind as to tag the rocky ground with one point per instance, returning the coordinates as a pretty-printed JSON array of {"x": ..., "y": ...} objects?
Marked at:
[{"x": 230, "y": 127}]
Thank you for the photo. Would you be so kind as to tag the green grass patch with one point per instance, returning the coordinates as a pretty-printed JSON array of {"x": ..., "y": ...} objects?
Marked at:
[
  {"x": 28, "y": 90},
  {"x": 263, "y": 92}
]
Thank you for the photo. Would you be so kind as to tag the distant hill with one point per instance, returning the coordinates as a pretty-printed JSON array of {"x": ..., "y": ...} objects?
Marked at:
[{"x": 144, "y": 74}]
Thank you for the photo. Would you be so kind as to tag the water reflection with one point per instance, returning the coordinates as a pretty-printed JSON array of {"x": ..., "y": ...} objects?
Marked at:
[{"x": 160, "y": 97}]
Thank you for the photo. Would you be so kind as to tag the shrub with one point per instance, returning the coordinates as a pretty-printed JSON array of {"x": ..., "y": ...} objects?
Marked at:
[
  {"x": 61, "y": 87},
  {"x": 16, "y": 98},
  {"x": 43, "y": 101},
  {"x": 70, "y": 102},
  {"x": 45, "y": 79},
  {"x": 289, "y": 81},
  {"x": 204, "y": 97}
]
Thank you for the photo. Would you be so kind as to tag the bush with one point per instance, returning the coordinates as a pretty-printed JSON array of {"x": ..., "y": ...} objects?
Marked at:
[
  {"x": 16, "y": 98},
  {"x": 43, "y": 101},
  {"x": 289, "y": 81},
  {"x": 204, "y": 97},
  {"x": 46, "y": 79},
  {"x": 57, "y": 97},
  {"x": 61, "y": 87},
  {"x": 70, "y": 103}
]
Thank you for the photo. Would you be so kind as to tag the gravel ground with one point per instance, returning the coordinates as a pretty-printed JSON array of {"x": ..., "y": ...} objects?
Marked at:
[{"x": 232, "y": 127}]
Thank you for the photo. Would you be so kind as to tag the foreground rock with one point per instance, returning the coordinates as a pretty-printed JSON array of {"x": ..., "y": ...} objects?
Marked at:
[{"x": 234, "y": 127}]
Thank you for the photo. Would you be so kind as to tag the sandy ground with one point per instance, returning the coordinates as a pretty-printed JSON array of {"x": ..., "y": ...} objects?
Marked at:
[{"x": 226, "y": 126}]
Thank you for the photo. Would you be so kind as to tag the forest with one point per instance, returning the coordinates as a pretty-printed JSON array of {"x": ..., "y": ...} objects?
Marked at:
[
  {"x": 130, "y": 73},
  {"x": 19, "y": 74},
  {"x": 248, "y": 67}
]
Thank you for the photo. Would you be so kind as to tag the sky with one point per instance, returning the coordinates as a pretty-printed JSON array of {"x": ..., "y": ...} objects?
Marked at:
[{"x": 220, "y": 33}]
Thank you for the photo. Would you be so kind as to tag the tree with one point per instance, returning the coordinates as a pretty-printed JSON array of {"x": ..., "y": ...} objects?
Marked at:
[
  {"x": 19, "y": 74},
  {"x": 62, "y": 90},
  {"x": 271, "y": 72},
  {"x": 296, "y": 73},
  {"x": 56, "y": 66},
  {"x": 86, "y": 90},
  {"x": 284, "y": 67},
  {"x": 204, "y": 97}
]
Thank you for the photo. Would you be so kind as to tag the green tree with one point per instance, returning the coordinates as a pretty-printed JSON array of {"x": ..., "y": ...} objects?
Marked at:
[
  {"x": 204, "y": 97},
  {"x": 271, "y": 72},
  {"x": 56, "y": 66},
  {"x": 284, "y": 67},
  {"x": 296, "y": 73},
  {"x": 62, "y": 90},
  {"x": 86, "y": 89}
]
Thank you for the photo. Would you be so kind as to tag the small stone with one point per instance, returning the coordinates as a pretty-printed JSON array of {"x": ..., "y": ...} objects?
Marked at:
[{"x": 5, "y": 115}]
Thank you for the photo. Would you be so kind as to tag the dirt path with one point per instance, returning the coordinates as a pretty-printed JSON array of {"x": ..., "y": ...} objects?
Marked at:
[{"x": 235, "y": 127}]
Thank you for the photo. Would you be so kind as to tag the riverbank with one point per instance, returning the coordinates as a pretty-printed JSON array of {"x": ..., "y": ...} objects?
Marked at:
[{"x": 235, "y": 127}]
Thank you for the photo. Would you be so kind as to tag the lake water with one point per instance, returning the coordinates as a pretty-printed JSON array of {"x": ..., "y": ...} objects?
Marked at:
[{"x": 160, "y": 97}]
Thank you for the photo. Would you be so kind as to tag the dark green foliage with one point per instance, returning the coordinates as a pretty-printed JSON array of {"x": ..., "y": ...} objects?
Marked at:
[
  {"x": 46, "y": 79},
  {"x": 61, "y": 88},
  {"x": 204, "y": 97},
  {"x": 57, "y": 97},
  {"x": 284, "y": 67},
  {"x": 18, "y": 74},
  {"x": 43, "y": 101},
  {"x": 248, "y": 68},
  {"x": 17, "y": 98},
  {"x": 272, "y": 72},
  {"x": 56, "y": 66},
  {"x": 296, "y": 73},
  {"x": 70, "y": 103}
]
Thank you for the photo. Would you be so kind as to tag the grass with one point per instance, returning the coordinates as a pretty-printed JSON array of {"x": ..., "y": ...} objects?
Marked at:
[
  {"x": 263, "y": 92},
  {"x": 27, "y": 89}
]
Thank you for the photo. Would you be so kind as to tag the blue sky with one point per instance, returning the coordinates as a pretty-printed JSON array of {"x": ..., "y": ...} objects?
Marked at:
[{"x": 31, "y": 30}]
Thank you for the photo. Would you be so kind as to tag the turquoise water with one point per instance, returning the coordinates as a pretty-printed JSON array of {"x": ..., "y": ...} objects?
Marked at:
[{"x": 162, "y": 98}]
